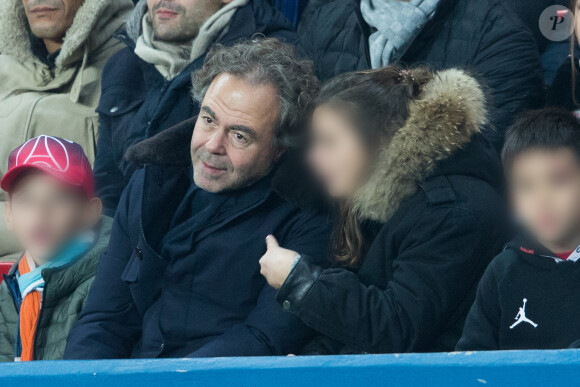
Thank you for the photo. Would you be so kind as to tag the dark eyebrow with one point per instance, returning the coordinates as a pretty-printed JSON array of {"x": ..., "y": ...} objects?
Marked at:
[
  {"x": 238, "y": 128},
  {"x": 244, "y": 129},
  {"x": 208, "y": 110}
]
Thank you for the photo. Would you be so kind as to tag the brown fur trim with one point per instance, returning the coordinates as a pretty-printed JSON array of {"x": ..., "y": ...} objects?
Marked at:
[
  {"x": 170, "y": 147},
  {"x": 450, "y": 110}
]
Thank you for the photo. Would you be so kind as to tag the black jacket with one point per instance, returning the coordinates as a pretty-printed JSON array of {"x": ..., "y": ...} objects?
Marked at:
[
  {"x": 560, "y": 92},
  {"x": 211, "y": 301},
  {"x": 137, "y": 102},
  {"x": 484, "y": 36},
  {"x": 442, "y": 223},
  {"x": 525, "y": 280}
]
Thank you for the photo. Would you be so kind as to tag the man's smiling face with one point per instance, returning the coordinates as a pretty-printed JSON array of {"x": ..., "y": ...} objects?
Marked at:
[
  {"x": 233, "y": 144},
  {"x": 179, "y": 21}
]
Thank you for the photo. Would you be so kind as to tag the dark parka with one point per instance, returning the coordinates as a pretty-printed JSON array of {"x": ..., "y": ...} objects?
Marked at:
[
  {"x": 560, "y": 91},
  {"x": 210, "y": 303},
  {"x": 484, "y": 36},
  {"x": 65, "y": 293},
  {"x": 137, "y": 102},
  {"x": 442, "y": 223}
]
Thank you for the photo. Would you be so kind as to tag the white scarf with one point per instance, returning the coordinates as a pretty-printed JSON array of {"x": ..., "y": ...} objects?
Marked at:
[
  {"x": 397, "y": 24},
  {"x": 171, "y": 58}
]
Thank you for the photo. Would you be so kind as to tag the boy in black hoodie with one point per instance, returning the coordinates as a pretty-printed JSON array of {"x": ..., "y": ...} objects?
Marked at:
[{"x": 529, "y": 297}]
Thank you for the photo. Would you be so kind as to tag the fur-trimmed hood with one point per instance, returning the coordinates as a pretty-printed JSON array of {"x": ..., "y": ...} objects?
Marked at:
[
  {"x": 133, "y": 27},
  {"x": 449, "y": 112},
  {"x": 94, "y": 25}
]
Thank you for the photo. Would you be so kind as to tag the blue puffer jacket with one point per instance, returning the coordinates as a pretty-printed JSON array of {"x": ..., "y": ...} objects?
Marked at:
[
  {"x": 137, "y": 102},
  {"x": 210, "y": 303}
]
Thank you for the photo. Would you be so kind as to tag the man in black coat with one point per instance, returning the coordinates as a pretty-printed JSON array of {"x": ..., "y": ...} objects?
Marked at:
[
  {"x": 484, "y": 36},
  {"x": 146, "y": 86},
  {"x": 181, "y": 274}
]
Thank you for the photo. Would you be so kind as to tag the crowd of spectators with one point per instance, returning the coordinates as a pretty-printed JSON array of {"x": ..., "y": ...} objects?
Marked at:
[{"x": 207, "y": 178}]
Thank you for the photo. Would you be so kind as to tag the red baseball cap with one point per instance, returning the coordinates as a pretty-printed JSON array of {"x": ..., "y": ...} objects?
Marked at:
[{"x": 63, "y": 159}]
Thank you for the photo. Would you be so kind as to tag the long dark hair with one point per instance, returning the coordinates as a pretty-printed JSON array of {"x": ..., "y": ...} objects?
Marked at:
[
  {"x": 379, "y": 100},
  {"x": 573, "y": 4}
]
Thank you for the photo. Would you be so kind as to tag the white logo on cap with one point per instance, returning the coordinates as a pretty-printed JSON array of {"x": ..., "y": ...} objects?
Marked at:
[{"x": 47, "y": 159}]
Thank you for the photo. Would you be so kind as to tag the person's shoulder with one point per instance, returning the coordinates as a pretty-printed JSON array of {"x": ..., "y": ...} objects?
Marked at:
[
  {"x": 504, "y": 263},
  {"x": 327, "y": 14},
  {"x": 480, "y": 198},
  {"x": 124, "y": 61},
  {"x": 498, "y": 13}
]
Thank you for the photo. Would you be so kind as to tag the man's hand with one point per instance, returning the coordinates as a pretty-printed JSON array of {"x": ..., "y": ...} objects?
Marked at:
[{"x": 276, "y": 263}]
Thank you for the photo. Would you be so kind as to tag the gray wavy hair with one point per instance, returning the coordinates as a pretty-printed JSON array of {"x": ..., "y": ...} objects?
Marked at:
[{"x": 266, "y": 61}]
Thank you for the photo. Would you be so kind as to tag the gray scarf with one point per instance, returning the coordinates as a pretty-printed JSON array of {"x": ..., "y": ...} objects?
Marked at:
[
  {"x": 169, "y": 58},
  {"x": 397, "y": 24}
]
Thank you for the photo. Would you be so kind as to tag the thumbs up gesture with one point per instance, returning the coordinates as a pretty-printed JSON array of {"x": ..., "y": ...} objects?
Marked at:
[{"x": 276, "y": 263}]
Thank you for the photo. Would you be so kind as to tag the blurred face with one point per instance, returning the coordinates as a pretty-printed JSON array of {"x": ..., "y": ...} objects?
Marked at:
[
  {"x": 44, "y": 214},
  {"x": 338, "y": 155},
  {"x": 50, "y": 19},
  {"x": 179, "y": 20},
  {"x": 233, "y": 144},
  {"x": 545, "y": 190}
]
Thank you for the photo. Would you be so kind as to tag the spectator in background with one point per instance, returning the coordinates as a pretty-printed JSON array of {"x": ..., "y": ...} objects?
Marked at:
[
  {"x": 52, "y": 211},
  {"x": 53, "y": 53},
  {"x": 484, "y": 36},
  {"x": 528, "y": 296},
  {"x": 420, "y": 219},
  {"x": 146, "y": 88},
  {"x": 181, "y": 274},
  {"x": 553, "y": 52},
  {"x": 564, "y": 92}
]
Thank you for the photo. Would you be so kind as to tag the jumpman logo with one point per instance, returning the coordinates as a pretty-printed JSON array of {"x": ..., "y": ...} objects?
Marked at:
[{"x": 521, "y": 317}]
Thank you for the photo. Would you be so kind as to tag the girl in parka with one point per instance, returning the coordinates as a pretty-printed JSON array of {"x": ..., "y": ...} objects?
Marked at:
[{"x": 420, "y": 218}]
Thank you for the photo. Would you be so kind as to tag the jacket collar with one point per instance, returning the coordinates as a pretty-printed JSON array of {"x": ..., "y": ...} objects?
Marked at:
[
  {"x": 94, "y": 24},
  {"x": 535, "y": 253},
  {"x": 449, "y": 112}
]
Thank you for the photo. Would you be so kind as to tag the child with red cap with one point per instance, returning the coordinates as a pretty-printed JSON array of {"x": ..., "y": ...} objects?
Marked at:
[{"x": 53, "y": 214}]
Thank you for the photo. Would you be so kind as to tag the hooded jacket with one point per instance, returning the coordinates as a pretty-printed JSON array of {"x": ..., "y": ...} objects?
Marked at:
[
  {"x": 35, "y": 99},
  {"x": 138, "y": 102},
  {"x": 209, "y": 301},
  {"x": 484, "y": 36},
  {"x": 527, "y": 299},
  {"x": 65, "y": 292},
  {"x": 441, "y": 221}
]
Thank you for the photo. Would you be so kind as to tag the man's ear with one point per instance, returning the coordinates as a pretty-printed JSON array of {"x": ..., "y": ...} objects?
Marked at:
[{"x": 8, "y": 215}]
